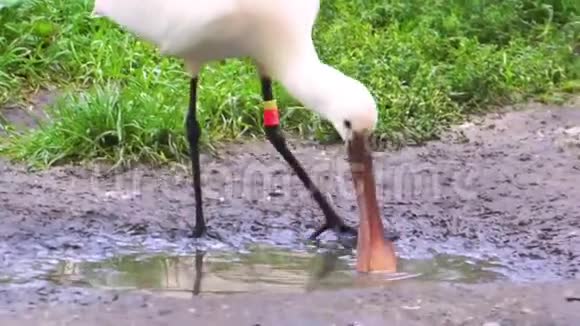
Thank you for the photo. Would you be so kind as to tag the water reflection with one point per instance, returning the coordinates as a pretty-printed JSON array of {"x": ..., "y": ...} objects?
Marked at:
[{"x": 260, "y": 270}]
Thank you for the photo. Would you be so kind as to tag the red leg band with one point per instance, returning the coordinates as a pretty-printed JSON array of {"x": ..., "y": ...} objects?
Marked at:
[{"x": 271, "y": 116}]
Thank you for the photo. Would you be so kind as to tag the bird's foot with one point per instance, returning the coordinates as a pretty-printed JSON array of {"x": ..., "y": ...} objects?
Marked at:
[
  {"x": 348, "y": 235},
  {"x": 345, "y": 234},
  {"x": 203, "y": 232}
]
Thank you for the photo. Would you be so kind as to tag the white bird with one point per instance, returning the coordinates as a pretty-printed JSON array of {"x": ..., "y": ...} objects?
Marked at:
[{"x": 277, "y": 36}]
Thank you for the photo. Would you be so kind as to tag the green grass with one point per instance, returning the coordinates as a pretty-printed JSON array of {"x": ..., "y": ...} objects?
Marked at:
[{"x": 428, "y": 63}]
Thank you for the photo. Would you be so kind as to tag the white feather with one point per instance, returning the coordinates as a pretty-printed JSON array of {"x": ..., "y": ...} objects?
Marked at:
[{"x": 277, "y": 34}]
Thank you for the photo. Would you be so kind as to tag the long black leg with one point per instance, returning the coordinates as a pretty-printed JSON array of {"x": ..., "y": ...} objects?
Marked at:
[
  {"x": 193, "y": 134},
  {"x": 275, "y": 136}
]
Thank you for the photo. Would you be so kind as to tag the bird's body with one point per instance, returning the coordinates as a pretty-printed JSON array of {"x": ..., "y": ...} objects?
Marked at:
[
  {"x": 196, "y": 30},
  {"x": 201, "y": 30},
  {"x": 277, "y": 36}
]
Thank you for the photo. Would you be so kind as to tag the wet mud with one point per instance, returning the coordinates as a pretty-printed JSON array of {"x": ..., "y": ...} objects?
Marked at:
[{"x": 501, "y": 189}]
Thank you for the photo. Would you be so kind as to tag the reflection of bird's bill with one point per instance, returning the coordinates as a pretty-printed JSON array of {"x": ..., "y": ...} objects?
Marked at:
[{"x": 373, "y": 251}]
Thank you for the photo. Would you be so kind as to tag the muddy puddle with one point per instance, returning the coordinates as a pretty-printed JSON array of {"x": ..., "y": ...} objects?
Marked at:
[
  {"x": 488, "y": 220},
  {"x": 260, "y": 269}
]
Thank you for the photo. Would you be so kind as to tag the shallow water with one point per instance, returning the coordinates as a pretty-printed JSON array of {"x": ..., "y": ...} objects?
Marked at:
[{"x": 261, "y": 269}]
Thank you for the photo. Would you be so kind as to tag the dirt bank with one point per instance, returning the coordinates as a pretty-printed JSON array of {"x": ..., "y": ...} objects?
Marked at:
[
  {"x": 505, "y": 187},
  {"x": 407, "y": 304}
]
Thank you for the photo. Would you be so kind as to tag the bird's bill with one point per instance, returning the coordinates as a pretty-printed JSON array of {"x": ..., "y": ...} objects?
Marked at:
[{"x": 374, "y": 252}]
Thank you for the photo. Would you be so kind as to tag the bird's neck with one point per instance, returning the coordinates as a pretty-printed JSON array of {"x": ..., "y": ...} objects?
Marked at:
[{"x": 310, "y": 81}]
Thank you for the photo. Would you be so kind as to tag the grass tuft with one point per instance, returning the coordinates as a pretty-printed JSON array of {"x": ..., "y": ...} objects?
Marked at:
[{"x": 428, "y": 63}]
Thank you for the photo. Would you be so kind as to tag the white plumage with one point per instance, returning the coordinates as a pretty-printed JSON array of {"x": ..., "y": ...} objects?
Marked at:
[{"x": 276, "y": 34}]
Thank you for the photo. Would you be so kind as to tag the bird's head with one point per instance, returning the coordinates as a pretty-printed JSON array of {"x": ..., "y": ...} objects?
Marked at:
[{"x": 352, "y": 111}]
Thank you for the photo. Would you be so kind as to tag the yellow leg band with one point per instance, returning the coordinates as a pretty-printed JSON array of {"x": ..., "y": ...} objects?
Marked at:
[{"x": 270, "y": 105}]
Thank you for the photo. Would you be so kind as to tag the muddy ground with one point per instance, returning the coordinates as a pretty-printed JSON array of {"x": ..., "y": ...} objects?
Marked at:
[{"x": 502, "y": 188}]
